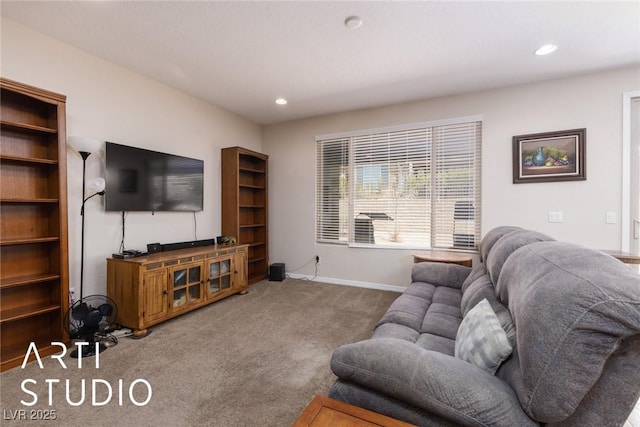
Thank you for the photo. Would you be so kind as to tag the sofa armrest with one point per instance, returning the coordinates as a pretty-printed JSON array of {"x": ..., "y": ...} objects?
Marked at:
[
  {"x": 437, "y": 383},
  {"x": 440, "y": 274}
]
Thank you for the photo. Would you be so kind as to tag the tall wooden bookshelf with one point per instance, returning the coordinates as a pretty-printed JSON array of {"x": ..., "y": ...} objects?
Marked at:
[
  {"x": 33, "y": 221},
  {"x": 245, "y": 205}
]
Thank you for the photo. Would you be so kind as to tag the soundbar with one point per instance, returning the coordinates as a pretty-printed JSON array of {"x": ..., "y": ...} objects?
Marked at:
[{"x": 156, "y": 247}]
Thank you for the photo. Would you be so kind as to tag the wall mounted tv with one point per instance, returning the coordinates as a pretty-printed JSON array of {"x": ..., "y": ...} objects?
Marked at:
[{"x": 145, "y": 180}]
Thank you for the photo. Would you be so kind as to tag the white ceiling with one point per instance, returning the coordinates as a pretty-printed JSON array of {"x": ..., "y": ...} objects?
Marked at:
[{"x": 241, "y": 56}]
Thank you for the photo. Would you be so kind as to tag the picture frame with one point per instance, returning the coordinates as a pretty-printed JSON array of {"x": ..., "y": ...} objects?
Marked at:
[{"x": 550, "y": 156}]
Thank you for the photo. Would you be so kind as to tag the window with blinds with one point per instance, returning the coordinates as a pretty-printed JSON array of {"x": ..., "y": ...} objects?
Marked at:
[{"x": 414, "y": 186}]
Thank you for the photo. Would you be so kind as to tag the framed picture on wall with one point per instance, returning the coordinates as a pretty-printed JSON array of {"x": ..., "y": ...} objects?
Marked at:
[{"x": 550, "y": 156}]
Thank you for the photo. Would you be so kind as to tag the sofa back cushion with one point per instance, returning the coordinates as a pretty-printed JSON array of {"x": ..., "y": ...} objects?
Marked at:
[
  {"x": 492, "y": 236},
  {"x": 477, "y": 287},
  {"x": 573, "y": 308},
  {"x": 505, "y": 246}
]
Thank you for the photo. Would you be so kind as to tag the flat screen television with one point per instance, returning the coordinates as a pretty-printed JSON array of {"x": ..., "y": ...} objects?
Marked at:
[{"x": 145, "y": 180}]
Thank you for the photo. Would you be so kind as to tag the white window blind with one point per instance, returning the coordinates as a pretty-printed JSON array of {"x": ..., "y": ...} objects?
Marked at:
[
  {"x": 416, "y": 187},
  {"x": 332, "y": 205},
  {"x": 456, "y": 202}
]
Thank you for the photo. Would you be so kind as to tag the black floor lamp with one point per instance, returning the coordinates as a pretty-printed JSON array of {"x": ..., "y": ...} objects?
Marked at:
[{"x": 86, "y": 146}]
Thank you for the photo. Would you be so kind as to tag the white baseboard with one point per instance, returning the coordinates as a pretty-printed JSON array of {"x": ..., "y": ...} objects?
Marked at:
[{"x": 334, "y": 281}]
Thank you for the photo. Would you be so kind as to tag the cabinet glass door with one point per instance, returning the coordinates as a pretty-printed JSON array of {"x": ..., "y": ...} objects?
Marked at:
[
  {"x": 219, "y": 276},
  {"x": 186, "y": 285}
]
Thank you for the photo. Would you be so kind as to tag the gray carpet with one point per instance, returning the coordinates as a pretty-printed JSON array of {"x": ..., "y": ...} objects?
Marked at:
[{"x": 249, "y": 360}]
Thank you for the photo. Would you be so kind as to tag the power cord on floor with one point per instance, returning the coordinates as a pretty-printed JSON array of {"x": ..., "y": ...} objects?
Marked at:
[
  {"x": 315, "y": 260},
  {"x": 106, "y": 339}
]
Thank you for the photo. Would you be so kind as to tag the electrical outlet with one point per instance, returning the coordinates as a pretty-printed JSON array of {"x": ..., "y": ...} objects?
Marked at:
[
  {"x": 72, "y": 295},
  {"x": 317, "y": 259}
]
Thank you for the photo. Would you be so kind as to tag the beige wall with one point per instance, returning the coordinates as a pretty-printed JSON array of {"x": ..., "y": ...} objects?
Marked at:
[
  {"x": 591, "y": 101},
  {"x": 111, "y": 103}
]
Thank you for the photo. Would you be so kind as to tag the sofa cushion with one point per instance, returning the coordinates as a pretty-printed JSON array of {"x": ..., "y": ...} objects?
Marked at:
[
  {"x": 481, "y": 339},
  {"x": 430, "y": 381},
  {"x": 479, "y": 288},
  {"x": 492, "y": 236},
  {"x": 439, "y": 273},
  {"x": 425, "y": 314},
  {"x": 476, "y": 289},
  {"x": 505, "y": 246},
  {"x": 573, "y": 308}
]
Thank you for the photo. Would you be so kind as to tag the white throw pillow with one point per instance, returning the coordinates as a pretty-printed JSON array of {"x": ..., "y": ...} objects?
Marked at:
[{"x": 481, "y": 340}]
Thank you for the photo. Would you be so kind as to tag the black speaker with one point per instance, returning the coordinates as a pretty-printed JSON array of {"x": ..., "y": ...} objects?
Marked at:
[
  {"x": 152, "y": 248},
  {"x": 276, "y": 272}
]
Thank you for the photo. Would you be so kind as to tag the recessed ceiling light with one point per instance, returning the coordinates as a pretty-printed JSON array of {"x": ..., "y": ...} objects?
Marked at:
[
  {"x": 546, "y": 49},
  {"x": 353, "y": 22},
  {"x": 281, "y": 101}
]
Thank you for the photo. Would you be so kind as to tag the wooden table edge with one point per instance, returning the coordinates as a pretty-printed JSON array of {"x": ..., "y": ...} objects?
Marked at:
[{"x": 320, "y": 401}]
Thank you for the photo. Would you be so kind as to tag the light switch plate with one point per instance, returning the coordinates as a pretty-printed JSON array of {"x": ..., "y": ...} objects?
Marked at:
[
  {"x": 610, "y": 217},
  {"x": 555, "y": 216}
]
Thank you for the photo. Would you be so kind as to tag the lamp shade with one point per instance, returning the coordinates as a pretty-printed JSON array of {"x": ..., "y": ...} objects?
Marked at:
[
  {"x": 83, "y": 144},
  {"x": 96, "y": 185}
]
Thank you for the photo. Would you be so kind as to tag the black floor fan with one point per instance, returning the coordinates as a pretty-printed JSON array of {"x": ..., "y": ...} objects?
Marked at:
[{"x": 91, "y": 319}]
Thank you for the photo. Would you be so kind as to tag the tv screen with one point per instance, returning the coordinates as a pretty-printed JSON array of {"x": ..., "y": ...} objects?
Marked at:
[{"x": 145, "y": 180}]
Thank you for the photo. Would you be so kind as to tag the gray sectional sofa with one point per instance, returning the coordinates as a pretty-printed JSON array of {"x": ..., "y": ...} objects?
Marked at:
[{"x": 571, "y": 318}]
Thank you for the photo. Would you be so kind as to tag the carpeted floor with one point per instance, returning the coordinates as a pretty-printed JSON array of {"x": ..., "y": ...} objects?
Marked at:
[{"x": 249, "y": 360}]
